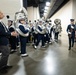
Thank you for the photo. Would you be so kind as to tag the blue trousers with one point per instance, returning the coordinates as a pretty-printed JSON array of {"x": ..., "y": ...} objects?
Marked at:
[
  {"x": 35, "y": 38},
  {"x": 47, "y": 38},
  {"x": 13, "y": 42},
  {"x": 71, "y": 41},
  {"x": 23, "y": 41},
  {"x": 40, "y": 38},
  {"x": 56, "y": 35}
]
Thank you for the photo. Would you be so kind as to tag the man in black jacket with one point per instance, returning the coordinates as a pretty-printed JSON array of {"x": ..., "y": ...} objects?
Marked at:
[{"x": 4, "y": 48}]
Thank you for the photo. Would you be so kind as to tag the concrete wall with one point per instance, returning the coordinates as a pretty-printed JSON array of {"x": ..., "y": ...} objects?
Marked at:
[
  {"x": 30, "y": 13},
  {"x": 9, "y": 7},
  {"x": 65, "y": 14},
  {"x": 33, "y": 13},
  {"x": 74, "y": 9}
]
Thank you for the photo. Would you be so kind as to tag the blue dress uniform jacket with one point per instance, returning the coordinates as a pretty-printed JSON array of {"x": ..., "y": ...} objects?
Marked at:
[
  {"x": 4, "y": 35},
  {"x": 72, "y": 31},
  {"x": 23, "y": 29}
]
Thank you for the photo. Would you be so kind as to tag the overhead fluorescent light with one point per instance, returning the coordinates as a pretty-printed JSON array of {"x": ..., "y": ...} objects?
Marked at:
[
  {"x": 45, "y": 11},
  {"x": 47, "y": 3},
  {"x": 46, "y": 8}
]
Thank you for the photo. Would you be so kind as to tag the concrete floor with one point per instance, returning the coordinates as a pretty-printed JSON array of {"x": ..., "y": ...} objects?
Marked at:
[{"x": 55, "y": 59}]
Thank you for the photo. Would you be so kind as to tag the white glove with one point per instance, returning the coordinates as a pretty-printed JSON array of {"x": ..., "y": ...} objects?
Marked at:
[
  {"x": 69, "y": 32},
  {"x": 72, "y": 27},
  {"x": 44, "y": 35}
]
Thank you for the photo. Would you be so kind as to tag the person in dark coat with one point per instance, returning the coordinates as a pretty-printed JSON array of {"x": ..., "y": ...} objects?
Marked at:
[
  {"x": 71, "y": 33},
  {"x": 4, "y": 48}
]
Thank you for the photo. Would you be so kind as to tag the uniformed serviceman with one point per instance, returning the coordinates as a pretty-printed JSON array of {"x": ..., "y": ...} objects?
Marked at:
[{"x": 71, "y": 33}]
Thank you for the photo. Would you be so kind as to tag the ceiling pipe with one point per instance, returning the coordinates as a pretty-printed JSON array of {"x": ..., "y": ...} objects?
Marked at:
[{"x": 52, "y": 2}]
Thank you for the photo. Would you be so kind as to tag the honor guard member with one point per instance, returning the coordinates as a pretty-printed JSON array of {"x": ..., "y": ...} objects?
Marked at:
[
  {"x": 12, "y": 39},
  {"x": 23, "y": 34},
  {"x": 71, "y": 33},
  {"x": 41, "y": 32}
]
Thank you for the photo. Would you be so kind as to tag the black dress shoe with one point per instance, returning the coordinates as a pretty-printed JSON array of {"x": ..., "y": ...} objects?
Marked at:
[
  {"x": 8, "y": 67},
  {"x": 69, "y": 48}
]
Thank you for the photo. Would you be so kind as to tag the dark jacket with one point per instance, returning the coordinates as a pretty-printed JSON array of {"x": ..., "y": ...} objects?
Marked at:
[
  {"x": 69, "y": 29},
  {"x": 4, "y": 35}
]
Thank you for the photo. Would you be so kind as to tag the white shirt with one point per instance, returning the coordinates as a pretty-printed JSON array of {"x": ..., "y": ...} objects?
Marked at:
[{"x": 0, "y": 20}]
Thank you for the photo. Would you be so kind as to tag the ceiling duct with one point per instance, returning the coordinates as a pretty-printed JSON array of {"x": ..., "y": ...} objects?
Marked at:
[{"x": 57, "y": 5}]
